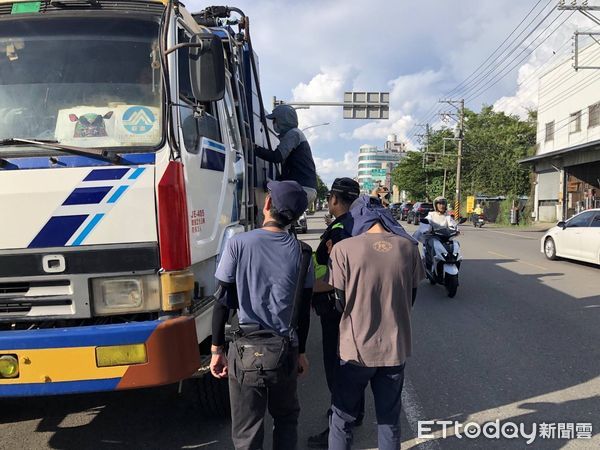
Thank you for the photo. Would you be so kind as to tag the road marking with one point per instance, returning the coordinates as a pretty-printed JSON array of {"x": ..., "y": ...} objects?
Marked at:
[
  {"x": 414, "y": 413},
  {"x": 518, "y": 260},
  {"x": 513, "y": 234}
]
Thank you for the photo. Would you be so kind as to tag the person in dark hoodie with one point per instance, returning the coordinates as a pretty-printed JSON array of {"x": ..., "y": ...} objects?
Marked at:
[{"x": 293, "y": 152}]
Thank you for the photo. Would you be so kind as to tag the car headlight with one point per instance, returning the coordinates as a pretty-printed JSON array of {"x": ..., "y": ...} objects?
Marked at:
[{"x": 127, "y": 294}]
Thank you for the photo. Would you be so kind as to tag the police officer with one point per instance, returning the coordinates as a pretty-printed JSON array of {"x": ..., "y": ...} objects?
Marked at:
[
  {"x": 257, "y": 275},
  {"x": 343, "y": 192}
]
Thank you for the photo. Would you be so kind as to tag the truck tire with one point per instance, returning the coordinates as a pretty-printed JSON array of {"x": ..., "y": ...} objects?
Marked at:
[{"x": 212, "y": 396}]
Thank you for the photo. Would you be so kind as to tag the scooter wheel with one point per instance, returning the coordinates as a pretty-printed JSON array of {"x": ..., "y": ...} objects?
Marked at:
[{"x": 451, "y": 285}]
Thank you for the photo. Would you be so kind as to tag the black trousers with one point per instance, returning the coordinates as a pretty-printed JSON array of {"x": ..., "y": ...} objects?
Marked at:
[
  {"x": 248, "y": 408},
  {"x": 330, "y": 326}
]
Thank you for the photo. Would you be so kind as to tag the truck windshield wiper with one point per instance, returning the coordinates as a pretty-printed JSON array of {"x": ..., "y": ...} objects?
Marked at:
[{"x": 103, "y": 155}]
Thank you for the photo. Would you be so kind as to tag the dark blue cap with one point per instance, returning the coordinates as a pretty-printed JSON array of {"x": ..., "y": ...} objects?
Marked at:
[{"x": 289, "y": 198}]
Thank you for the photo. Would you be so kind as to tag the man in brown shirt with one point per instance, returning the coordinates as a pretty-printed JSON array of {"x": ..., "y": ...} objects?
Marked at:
[{"x": 375, "y": 275}]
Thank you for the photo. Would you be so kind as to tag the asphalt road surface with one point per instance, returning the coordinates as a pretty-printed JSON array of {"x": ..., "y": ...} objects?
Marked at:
[{"x": 519, "y": 343}]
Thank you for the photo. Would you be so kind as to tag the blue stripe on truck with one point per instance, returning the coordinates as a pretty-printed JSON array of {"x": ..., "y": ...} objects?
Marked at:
[{"x": 57, "y": 231}]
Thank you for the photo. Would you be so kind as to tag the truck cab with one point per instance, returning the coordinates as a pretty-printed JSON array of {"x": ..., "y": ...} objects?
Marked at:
[{"x": 126, "y": 162}]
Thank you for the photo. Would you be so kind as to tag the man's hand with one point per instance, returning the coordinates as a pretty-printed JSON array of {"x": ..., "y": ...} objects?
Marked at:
[
  {"x": 329, "y": 245},
  {"x": 302, "y": 365},
  {"x": 218, "y": 363}
]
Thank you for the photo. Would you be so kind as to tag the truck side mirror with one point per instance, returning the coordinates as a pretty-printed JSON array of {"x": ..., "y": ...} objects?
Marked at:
[{"x": 207, "y": 68}]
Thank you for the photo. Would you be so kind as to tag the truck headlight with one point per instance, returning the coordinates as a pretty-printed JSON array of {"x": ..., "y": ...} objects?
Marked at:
[{"x": 125, "y": 294}]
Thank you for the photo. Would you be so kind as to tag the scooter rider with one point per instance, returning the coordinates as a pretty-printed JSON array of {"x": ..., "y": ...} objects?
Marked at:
[
  {"x": 438, "y": 218},
  {"x": 343, "y": 193}
]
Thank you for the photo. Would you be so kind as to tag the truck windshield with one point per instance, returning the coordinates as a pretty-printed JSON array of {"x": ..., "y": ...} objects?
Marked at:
[{"x": 89, "y": 82}]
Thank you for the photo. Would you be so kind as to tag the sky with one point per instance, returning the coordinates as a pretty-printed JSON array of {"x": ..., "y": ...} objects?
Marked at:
[{"x": 315, "y": 50}]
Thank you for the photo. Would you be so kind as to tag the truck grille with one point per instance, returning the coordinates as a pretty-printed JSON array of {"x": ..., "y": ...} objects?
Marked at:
[
  {"x": 10, "y": 289},
  {"x": 16, "y": 307},
  {"x": 18, "y": 298},
  {"x": 122, "y": 6}
]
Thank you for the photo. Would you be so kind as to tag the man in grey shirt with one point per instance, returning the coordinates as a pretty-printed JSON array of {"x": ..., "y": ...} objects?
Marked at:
[{"x": 375, "y": 275}]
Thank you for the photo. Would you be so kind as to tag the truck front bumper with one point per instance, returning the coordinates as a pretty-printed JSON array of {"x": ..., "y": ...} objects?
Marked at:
[{"x": 66, "y": 360}]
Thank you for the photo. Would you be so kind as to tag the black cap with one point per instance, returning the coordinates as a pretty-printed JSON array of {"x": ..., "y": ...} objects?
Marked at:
[
  {"x": 289, "y": 198},
  {"x": 346, "y": 187}
]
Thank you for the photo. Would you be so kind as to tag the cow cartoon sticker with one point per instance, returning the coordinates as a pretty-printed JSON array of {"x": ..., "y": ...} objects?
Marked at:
[{"x": 90, "y": 125}]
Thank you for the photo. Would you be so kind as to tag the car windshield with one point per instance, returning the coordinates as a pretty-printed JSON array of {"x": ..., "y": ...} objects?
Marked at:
[{"x": 85, "y": 82}]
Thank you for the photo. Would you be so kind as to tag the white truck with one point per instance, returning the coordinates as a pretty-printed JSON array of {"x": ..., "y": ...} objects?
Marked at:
[{"x": 126, "y": 162}]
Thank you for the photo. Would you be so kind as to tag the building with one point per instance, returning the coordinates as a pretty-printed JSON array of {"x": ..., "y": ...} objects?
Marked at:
[
  {"x": 375, "y": 166},
  {"x": 567, "y": 161}
]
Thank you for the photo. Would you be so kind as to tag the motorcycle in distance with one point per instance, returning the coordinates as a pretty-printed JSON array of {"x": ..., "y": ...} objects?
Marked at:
[
  {"x": 445, "y": 255},
  {"x": 478, "y": 220}
]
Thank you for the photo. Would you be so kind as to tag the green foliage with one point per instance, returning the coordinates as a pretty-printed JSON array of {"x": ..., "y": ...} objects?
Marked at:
[
  {"x": 493, "y": 144},
  {"x": 322, "y": 189},
  {"x": 410, "y": 175}
]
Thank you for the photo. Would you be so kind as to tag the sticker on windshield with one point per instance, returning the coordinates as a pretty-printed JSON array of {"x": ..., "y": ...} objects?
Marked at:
[
  {"x": 138, "y": 120},
  {"x": 90, "y": 124}
]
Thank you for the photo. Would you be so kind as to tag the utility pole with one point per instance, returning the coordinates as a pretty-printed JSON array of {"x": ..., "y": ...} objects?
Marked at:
[
  {"x": 459, "y": 136},
  {"x": 426, "y": 136}
]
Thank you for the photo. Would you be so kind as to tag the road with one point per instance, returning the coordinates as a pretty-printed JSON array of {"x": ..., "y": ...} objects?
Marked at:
[{"x": 519, "y": 343}]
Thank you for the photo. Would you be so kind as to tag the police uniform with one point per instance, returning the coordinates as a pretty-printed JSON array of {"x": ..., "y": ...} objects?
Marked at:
[{"x": 324, "y": 302}]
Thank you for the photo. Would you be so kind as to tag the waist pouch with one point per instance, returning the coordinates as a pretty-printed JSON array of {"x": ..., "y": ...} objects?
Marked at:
[
  {"x": 323, "y": 303},
  {"x": 262, "y": 358}
]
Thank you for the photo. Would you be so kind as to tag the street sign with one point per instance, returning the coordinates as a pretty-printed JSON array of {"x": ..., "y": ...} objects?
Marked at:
[
  {"x": 378, "y": 172},
  {"x": 366, "y": 105}
]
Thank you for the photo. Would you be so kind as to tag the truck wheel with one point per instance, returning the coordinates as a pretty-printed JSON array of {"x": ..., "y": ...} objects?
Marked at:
[
  {"x": 451, "y": 285},
  {"x": 213, "y": 396}
]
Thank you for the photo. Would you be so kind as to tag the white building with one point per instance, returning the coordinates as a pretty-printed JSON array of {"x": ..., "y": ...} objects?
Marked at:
[
  {"x": 567, "y": 163},
  {"x": 375, "y": 166}
]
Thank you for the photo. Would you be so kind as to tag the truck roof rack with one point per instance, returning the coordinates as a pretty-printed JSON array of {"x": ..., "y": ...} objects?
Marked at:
[{"x": 58, "y": 6}]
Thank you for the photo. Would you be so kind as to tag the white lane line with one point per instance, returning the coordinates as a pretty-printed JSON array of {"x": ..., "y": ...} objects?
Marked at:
[
  {"x": 513, "y": 234},
  {"x": 518, "y": 260},
  {"x": 414, "y": 413}
]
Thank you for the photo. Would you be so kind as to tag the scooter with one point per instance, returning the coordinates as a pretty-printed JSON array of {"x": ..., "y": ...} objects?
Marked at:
[
  {"x": 443, "y": 257},
  {"x": 478, "y": 220}
]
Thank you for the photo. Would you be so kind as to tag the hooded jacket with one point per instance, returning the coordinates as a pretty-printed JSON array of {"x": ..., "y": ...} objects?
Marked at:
[{"x": 293, "y": 151}]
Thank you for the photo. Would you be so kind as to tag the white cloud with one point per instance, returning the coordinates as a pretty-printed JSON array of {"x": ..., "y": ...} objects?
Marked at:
[
  {"x": 328, "y": 85},
  {"x": 329, "y": 169}
]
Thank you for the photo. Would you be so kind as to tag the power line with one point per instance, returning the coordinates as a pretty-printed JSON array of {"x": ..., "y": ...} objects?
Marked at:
[{"x": 497, "y": 78}]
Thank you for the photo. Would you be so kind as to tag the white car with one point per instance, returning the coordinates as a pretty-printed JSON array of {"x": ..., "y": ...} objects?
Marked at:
[{"x": 577, "y": 238}]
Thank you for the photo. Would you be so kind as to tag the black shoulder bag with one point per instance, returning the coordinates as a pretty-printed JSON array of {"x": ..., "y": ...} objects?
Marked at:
[{"x": 264, "y": 358}]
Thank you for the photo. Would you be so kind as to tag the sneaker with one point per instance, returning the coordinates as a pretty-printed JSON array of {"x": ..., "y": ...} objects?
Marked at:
[{"x": 320, "y": 440}]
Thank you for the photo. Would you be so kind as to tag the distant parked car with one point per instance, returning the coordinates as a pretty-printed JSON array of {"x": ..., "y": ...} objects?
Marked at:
[
  {"x": 301, "y": 225},
  {"x": 418, "y": 211},
  {"x": 577, "y": 238},
  {"x": 395, "y": 210},
  {"x": 404, "y": 210}
]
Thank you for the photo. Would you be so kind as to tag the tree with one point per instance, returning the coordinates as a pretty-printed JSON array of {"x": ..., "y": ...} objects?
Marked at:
[
  {"x": 409, "y": 175},
  {"x": 493, "y": 145},
  {"x": 322, "y": 189}
]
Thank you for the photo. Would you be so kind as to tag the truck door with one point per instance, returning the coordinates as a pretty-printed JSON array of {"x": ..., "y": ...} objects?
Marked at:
[{"x": 208, "y": 154}]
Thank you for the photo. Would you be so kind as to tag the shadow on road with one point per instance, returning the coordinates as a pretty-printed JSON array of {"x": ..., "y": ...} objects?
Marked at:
[
  {"x": 149, "y": 418},
  {"x": 508, "y": 347}
]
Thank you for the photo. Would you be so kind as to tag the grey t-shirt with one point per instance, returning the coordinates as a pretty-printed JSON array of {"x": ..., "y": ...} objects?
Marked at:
[
  {"x": 265, "y": 266},
  {"x": 377, "y": 272}
]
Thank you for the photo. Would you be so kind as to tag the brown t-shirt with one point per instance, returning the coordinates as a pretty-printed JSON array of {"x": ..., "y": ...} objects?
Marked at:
[{"x": 377, "y": 272}]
